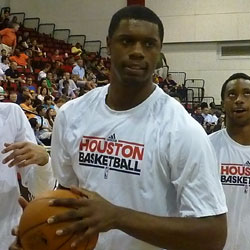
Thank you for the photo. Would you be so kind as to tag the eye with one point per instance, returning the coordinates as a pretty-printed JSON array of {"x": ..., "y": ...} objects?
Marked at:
[
  {"x": 231, "y": 94},
  {"x": 247, "y": 93},
  {"x": 126, "y": 41}
]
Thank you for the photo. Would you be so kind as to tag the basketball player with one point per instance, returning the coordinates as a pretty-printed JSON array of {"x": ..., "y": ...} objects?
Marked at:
[
  {"x": 146, "y": 166},
  {"x": 17, "y": 141},
  {"x": 232, "y": 146}
]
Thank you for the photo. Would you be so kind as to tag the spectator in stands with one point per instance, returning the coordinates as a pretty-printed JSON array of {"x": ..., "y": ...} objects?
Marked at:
[
  {"x": 36, "y": 49},
  {"x": 45, "y": 132},
  {"x": 56, "y": 57},
  {"x": 12, "y": 97},
  {"x": 20, "y": 58},
  {"x": 5, "y": 19},
  {"x": 35, "y": 126},
  {"x": 80, "y": 72},
  {"x": 24, "y": 92},
  {"x": 30, "y": 85},
  {"x": 43, "y": 92},
  {"x": 12, "y": 74},
  {"x": 209, "y": 120},
  {"x": 3, "y": 53},
  {"x": 67, "y": 91},
  {"x": 50, "y": 116},
  {"x": 165, "y": 88},
  {"x": 69, "y": 64},
  {"x": 43, "y": 83},
  {"x": 4, "y": 65},
  {"x": 102, "y": 76},
  {"x": 59, "y": 102},
  {"x": 26, "y": 105},
  {"x": 76, "y": 50},
  {"x": 8, "y": 39},
  {"x": 48, "y": 102},
  {"x": 72, "y": 84},
  {"x": 197, "y": 114},
  {"x": 24, "y": 41},
  {"x": 43, "y": 73},
  {"x": 171, "y": 83}
]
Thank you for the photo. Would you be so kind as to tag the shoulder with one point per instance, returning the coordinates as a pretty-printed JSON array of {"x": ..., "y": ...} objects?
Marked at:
[
  {"x": 217, "y": 137},
  {"x": 11, "y": 110},
  {"x": 81, "y": 104}
]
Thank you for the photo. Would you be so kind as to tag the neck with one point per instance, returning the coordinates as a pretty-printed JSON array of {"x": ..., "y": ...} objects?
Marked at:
[
  {"x": 124, "y": 97},
  {"x": 239, "y": 134}
]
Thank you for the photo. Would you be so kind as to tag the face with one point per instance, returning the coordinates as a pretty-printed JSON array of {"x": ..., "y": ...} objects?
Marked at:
[
  {"x": 44, "y": 83},
  {"x": 26, "y": 91},
  {"x": 44, "y": 91},
  {"x": 29, "y": 81},
  {"x": 198, "y": 111},
  {"x": 205, "y": 111},
  {"x": 237, "y": 102},
  {"x": 49, "y": 102},
  {"x": 67, "y": 76},
  {"x": 134, "y": 49},
  {"x": 13, "y": 97},
  {"x": 50, "y": 76},
  {"x": 165, "y": 89},
  {"x": 80, "y": 63}
]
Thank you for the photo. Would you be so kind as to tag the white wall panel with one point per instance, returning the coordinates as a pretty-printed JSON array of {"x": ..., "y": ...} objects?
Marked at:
[{"x": 200, "y": 60}]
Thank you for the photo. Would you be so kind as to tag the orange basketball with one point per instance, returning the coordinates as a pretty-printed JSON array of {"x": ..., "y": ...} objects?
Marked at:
[{"x": 36, "y": 234}]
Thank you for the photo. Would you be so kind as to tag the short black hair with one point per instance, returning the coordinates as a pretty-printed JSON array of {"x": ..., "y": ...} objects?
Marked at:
[
  {"x": 204, "y": 105},
  {"x": 136, "y": 12},
  {"x": 231, "y": 78}
]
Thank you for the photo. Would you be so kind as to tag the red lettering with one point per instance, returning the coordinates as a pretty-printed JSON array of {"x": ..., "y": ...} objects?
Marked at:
[
  {"x": 241, "y": 171},
  {"x": 102, "y": 146},
  {"x": 110, "y": 148},
  {"x": 233, "y": 170},
  {"x": 84, "y": 144},
  {"x": 93, "y": 145},
  {"x": 118, "y": 146},
  {"x": 138, "y": 153},
  {"x": 224, "y": 169},
  {"x": 127, "y": 151},
  {"x": 247, "y": 171}
]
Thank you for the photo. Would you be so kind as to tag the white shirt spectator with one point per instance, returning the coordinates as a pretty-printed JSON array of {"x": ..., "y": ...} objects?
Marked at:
[{"x": 80, "y": 71}]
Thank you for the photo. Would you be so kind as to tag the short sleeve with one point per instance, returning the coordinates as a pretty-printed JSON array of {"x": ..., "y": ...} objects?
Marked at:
[
  {"x": 37, "y": 178},
  {"x": 195, "y": 175},
  {"x": 61, "y": 160}
]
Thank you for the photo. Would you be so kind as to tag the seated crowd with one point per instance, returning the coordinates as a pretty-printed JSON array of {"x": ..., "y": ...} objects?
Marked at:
[{"x": 41, "y": 81}]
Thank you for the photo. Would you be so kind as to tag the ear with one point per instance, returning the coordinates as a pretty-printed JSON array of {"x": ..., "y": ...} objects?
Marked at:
[
  {"x": 222, "y": 106},
  {"x": 108, "y": 40}
]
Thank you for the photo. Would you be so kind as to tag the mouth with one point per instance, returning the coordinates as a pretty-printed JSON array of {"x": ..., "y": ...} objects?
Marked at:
[
  {"x": 135, "y": 69},
  {"x": 239, "y": 111}
]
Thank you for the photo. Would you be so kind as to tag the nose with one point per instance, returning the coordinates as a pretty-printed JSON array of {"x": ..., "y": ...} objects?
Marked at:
[
  {"x": 136, "y": 52},
  {"x": 239, "y": 99}
]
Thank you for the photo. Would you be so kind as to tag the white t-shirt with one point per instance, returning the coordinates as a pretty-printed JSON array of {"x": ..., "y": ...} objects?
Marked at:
[
  {"x": 153, "y": 158},
  {"x": 14, "y": 127},
  {"x": 234, "y": 162}
]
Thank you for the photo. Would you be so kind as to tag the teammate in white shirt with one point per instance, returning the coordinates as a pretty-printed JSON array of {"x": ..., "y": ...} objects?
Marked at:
[
  {"x": 232, "y": 146},
  {"x": 146, "y": 165},
  {"x": 18, "y": 149}
]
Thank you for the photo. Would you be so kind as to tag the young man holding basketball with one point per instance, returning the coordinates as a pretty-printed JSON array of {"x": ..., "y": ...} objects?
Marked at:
[
  {"x": 18, "y": 153},
  {"x": 232, "y": 146},
  {"x": 147, "y": 168}
]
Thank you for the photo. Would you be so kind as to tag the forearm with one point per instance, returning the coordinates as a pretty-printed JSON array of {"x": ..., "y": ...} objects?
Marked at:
[{"x": 174, "y": 233}]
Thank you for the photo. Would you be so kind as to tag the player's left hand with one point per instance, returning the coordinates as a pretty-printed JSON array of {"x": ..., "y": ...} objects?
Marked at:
[
  {"x": 94, "y": 214},
  {"x": 24, "y": 154}
]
